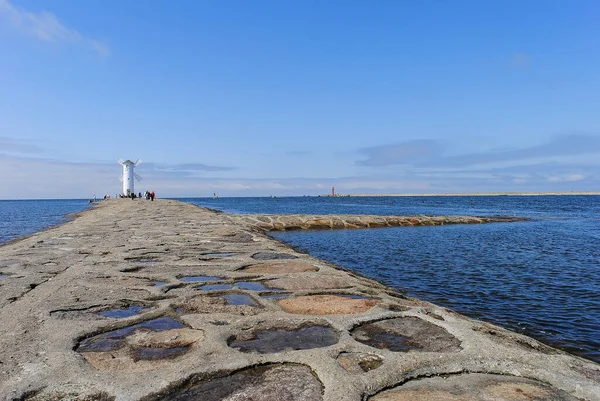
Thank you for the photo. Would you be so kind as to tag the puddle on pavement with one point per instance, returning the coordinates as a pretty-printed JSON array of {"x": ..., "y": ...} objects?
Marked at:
[
  {"x": 191, "y": 279},
  {"x": 276, "y": 340},
  {"x": 121, "y": 313},
  {"x": 115, "y": 339},
  {"x": 272, "y": 256},
  {"x": 406, "y": 334},
  {"x": 274, "y": 382},
  {"x": 216, "y": 287},
  {"x": 3, "y": 276},
  {"x": 239, "y": 299},
  {"x": 252, "y": 286},
  {"x": 159, "y": 283}
]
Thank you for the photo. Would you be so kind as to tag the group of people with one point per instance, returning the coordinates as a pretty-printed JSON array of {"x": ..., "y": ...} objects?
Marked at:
[{"x": 148, "y": 195}]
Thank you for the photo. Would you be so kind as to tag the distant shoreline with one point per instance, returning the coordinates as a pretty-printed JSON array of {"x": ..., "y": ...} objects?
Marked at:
[{"x": 484, "y": 194}]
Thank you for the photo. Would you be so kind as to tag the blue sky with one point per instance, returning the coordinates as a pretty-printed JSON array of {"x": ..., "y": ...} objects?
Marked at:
[{"x": 250, "y": 98}]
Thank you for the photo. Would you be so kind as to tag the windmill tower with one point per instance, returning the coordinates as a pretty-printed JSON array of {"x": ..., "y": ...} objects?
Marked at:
[{"x": 128, "y": 175}]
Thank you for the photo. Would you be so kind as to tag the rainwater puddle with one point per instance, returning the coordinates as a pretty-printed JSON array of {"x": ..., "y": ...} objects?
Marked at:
[
  {"x": 124, "y": 312},
  {"x": 115, "y": 339},
  {"x": 3, "y": 276},
  {"x": 159, "y": 283},
  {"x": 276, "y": 340},
  {"x": 274, "y": 382},
  {"x": 191, "y": 279},
  {"x": 238, "y": 299},
  {"x": 251, "y": 286},
  {"x": 216, "y": 287},
  {"x": 406, "y": 334}
]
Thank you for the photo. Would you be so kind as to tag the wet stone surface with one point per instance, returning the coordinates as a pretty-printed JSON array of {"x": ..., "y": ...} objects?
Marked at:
[
  {"x": 216, "y": 287},
  {"x": 406, "y": 334},
  {"x": 252, "y": 286},
  {"x": 273, "y": 382},
  {"x": 272, "y": 256},
  {"x": 115, "y": 339},
  {"x": 276, "y": 340},
  {"x": 473, "y": 387},
  {"x": 359, "y": 362},
  {"x": 124, "y": 312}
]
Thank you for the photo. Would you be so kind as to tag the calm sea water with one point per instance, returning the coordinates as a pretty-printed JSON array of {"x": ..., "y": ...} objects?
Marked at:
[
  {"x": 22, "y": 217},
  {"x": 540, "y": 277}
]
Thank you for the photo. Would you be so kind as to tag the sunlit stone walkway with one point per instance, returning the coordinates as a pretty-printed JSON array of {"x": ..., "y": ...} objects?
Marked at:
[{"x": 139, "y": 300}]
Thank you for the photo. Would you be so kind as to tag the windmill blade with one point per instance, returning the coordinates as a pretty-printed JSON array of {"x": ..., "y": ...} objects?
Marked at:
[
  {"x": 120, "y": 161},
  {"x": 137, "y": 176},
  {"x": 137, "y": 163}
]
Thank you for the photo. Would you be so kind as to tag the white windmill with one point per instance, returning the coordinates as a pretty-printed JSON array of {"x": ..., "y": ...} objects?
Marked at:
[{"x": 128, "y": 175}]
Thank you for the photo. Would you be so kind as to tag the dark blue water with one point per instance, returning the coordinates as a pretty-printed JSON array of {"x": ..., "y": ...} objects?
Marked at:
[
  {"x": 541, "y": 278},
  {"x": 22, "y": 217}
]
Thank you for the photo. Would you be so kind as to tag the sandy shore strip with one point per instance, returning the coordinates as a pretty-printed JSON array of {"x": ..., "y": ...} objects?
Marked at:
[{"x": 164, "y": 300}]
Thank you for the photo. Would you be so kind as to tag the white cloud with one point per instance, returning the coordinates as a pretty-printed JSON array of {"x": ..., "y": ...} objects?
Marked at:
[
  {"x": 46, "y": 27},
  {"x": 566, "y": 178}
]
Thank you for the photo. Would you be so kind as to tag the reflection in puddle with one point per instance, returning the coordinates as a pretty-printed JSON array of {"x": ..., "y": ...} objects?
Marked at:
[
  {"x": 159, "y": 283},
  {"x": 271, "y": 382},
  {"x": 276, "y": 340},
  {"x": 190, "y": 279},
  {"x": 123, "y": 312},
  {"x": 115, "y": 339},
  {"x": 251, "y": 286},
  {"x": 216, "y": 287},
  {"x": 3, "y": 276},
  {"x": 239, "y": 299},
  {"x": 406, "y": 334}
]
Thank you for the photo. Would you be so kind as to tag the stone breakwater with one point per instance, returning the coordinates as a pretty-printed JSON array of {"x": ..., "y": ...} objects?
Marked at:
[
  {"x": 163, "y": 300},
  {"x": 271, "y": 222}
]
